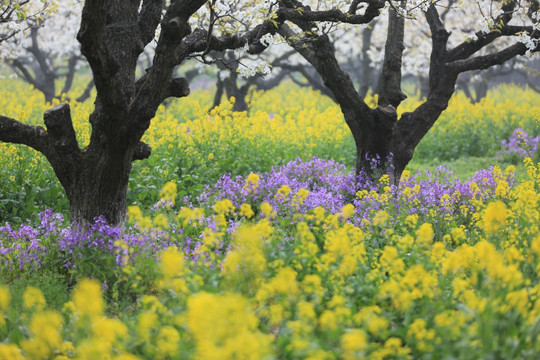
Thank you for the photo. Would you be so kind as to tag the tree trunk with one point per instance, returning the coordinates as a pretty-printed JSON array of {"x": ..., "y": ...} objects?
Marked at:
[
  {"x": 99, "y": 188},
  {"x": 365, "y": 77},
  {"x": 41, "y": 79},
  {"x": 240, "y": 96},
  {"x": 218, "y": 94},
  {"x": 481, "y": 89},
  {"x": 95, "y": 179},
  {"x": 44, "y": 74},
  {"x": 373, "y": 139},
  {"x": 239, "y": 93},
  {"x": 48, "y": 88}
]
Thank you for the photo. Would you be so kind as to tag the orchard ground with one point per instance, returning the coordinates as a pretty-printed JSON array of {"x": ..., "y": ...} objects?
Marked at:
[{"x": 249, "y": 237}]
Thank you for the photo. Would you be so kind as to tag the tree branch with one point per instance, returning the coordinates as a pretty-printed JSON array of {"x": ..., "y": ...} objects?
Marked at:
[
  {"x": 60, "y": 128},
  {"x": 149, "y": 90},
  {"x": 487, "y": 61},
  {"x": 294, "y": 10},
  {"x": 72, "y": 67},
  {"x": 86, "y": 93},
  {"x": 176, "y": 38},
  {"x": 200, "y": 41},
  {"x": 390, "y": 91},
  {"x": 178, "y": 87},
  {"x": 468, "y": 48},
  {"x": 38, "y": 53},
  {"x": 142, "y": 151},
  {"x": 439, "y": 40},
  {"x": 149, "y": 18},
  {"x": 304, "y": 49},
  {"x": 15, "y": 132},
  {"x": 24, "y": 73}
]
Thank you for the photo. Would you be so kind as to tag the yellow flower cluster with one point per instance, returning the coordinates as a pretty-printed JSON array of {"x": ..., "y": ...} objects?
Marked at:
[
  {"x": 168, "y": 193},
  {"x": 224, "y": 327},
  {"x": 252, "y": 182}
]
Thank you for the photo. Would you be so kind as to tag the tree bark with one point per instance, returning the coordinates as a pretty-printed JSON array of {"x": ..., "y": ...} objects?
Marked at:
[
  {"x": 218, "y": 94},
  {"x": 99, "y": 187},
  {"x": 365, "y": 77},
  {"x": 232, "y": 89}
]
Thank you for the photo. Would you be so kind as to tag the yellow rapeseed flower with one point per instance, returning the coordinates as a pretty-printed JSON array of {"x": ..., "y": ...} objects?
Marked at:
[
  {"x": 87, "y": 298},
  {"x": 494, "y": 217},
  {"x": 346, "y": 211},
  {"x": 283, "y": 191},
  {"x": 45, "y": 328},
  {"x": 267, "y": 210},
  {"x": 112, "y": 331},
  {"x": 371, "y": 318},
  {"x": 146, "y": 324},
  {"x": 380, "y": 218},
  {"x": 161, "y": 222},
  {"x": 224, "y": 206},
  {"x": 173, "y": 270},
  {"x": 168, "y": 193},
  {"x": 5, "y": 297},
  {"x": 328, "y": 321},
  {"x": 423, "y": 337},
  {"x": 10, "y": 352},
  {"x": 167, "y": 342},
  {"x": 172, "y": 263},
  {"x": 246, "y": 262},
  {"x": 353, "y": 343},
  {"x": 535, "y": 245},
  {"x": 246, "y": 210},
  {"x": 301, "y": 195},
  {"x": 134, "y": 213},
  {"x": 252, "y": 182},
  {"x": 424, "y": 234},
  {"x": 33, "y": 298},
  {"x": 210, "y": 320}
]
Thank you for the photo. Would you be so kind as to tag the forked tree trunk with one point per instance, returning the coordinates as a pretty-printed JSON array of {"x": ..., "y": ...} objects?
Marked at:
[
  {"x": 41, "y": 72},
  {"x": 230, "y": 87},
  {"x": 95, "y": 179}
]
